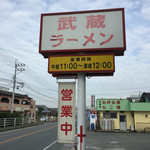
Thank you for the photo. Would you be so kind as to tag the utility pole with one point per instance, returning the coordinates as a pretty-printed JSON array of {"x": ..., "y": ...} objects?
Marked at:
[
  {"x": 18, "y": 67},
  {"x": 14, "y": 85}
]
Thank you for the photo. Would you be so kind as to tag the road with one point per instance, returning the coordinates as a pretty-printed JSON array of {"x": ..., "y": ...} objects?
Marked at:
[{"x": 41, "y": 137}]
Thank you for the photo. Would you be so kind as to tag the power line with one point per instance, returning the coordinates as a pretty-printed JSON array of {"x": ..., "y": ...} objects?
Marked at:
[
  {"x": 30, "y": 73},
  {"x": 38, "y": 92},
  {"x": 40, "y": 81},
  {"x": 42, "y": 96},
  {"x": 50, "y": 88}
]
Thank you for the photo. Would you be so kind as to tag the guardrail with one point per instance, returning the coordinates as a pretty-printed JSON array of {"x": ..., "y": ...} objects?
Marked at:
[{"x": 5, "y": 122}]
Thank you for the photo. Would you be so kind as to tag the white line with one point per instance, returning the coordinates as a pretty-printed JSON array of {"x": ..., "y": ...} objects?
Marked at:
[
  {"x": 97, "y": 148},
  {"x": 49, "y": 145},
  {"x": 113, "y": 142}
]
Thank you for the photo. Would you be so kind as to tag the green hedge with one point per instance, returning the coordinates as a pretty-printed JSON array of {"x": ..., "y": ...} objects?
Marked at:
[{"x": 10, "y": 115}]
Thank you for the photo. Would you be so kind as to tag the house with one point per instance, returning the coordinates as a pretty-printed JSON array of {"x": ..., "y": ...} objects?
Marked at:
[
  {"x": 22, "y": 104},
  {"x": 125, "y": 114}
]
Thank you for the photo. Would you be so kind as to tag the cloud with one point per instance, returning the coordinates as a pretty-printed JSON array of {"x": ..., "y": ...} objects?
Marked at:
[{"x": 19, "y": 36}]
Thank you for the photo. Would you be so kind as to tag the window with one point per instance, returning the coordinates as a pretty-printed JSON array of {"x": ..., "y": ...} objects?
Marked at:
[
  {"x": 122, "y": 118},
  {"x": 106, "y": 115},
  {"x": 99, "y": 104},
  {"x": 16, "y": 101},
  {"x": 113, "y": 115},
  {"x": 24, "y": 102},
  {"x": 110, "y": 115},
  {"x": 4, "y": 100}
]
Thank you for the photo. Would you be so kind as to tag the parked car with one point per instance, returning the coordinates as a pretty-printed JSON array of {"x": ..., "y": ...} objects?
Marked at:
[{"x": 44, "y": 118}]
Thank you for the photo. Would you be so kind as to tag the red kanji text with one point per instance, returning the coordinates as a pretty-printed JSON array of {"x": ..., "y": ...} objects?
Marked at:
[
  {"x": 66, "y": 23},
  {"x": 66, "y": 111},
  {"x": 66, "y": 127},
  {"x": 66, "y": 94},
  {"x": 95, "y": 21}
]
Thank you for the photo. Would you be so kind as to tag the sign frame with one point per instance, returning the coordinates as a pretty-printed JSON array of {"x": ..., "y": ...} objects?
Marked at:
[
  {"x": 75, "y": 76},
  {"x": 118, "y": 51}
]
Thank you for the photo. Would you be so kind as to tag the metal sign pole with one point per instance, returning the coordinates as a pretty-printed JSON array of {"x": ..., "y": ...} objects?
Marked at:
[{"x": 81, "y": 111}]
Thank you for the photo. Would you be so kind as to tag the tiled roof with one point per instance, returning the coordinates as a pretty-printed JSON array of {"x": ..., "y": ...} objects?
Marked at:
[{"x": 7, "y": 93}]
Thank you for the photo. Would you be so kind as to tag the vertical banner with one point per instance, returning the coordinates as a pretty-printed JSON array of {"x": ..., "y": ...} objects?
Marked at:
[
  {"x": 92, "y": 121},
  {"x": 66, "y": 112},
  {"x": 92, "y": 100}
]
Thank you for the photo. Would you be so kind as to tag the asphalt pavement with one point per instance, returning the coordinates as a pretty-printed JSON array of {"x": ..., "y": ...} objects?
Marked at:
[
  {"x": 116, "y": 141},
  {"x": 43, "y": 137}
]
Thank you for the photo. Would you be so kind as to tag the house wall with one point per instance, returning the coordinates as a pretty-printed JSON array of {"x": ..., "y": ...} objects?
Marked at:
[
  {"x": 142, "y": 120},
  {"x": 26, "y": 110},
  {"x": 129, "y": 119},
  {"x": 16, "y": 106},
  {"x": 137, "y": 113},
  {"x": 32, "y": 110}
]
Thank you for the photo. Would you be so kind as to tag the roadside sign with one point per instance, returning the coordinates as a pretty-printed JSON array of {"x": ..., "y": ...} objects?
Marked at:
[
  {"x": 66, "y": 112},
  {"x": 80, "y": 44},
  {"x": 83, "y": 31},
  {"x": 92, "y": 100},
  {"x": 92, "y": 121},
  {"x": 81, "y": 63},
  {"x": 88, "y": 115}
]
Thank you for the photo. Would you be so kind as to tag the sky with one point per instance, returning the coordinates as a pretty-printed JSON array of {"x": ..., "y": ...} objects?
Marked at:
[{"x": 19, "y": 39}]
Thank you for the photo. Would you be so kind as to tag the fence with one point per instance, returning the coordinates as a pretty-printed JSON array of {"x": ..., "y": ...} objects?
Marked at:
[{"x": 5, "y": 122}]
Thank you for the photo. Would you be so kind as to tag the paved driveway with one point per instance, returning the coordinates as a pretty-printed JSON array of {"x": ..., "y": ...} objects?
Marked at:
[{"x": 117, "y": 141}]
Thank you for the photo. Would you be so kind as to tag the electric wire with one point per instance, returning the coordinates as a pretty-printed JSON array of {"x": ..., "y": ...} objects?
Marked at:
[
  {"x": 52, "y": 88},
  {"x": 10, "y": 61},
  {"x": 40, "y": 97}
]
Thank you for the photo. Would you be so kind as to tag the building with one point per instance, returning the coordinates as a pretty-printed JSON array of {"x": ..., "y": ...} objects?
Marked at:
[
  {"x": 22, "y": 103},
  {"x": 126, "y": 115},
  {"x": 43, "y": 110}
]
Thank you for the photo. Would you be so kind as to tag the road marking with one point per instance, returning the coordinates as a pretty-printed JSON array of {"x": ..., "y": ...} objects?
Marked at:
[
  {"x": 97, "y": 148},
  {"x": 49, "y": 145},
  {"x": 114, "y": 142},
  {"x": 26, "y": 135}
]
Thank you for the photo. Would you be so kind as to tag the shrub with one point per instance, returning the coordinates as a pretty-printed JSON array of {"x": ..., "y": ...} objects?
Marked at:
[{"x": 10, "y": 115}]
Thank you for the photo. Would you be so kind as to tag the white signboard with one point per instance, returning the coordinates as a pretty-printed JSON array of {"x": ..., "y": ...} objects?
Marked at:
[
  {"x": 83, "y": 31},
  {"x": 19, "y": 109},
  {"x": 66, "y": 112}
]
